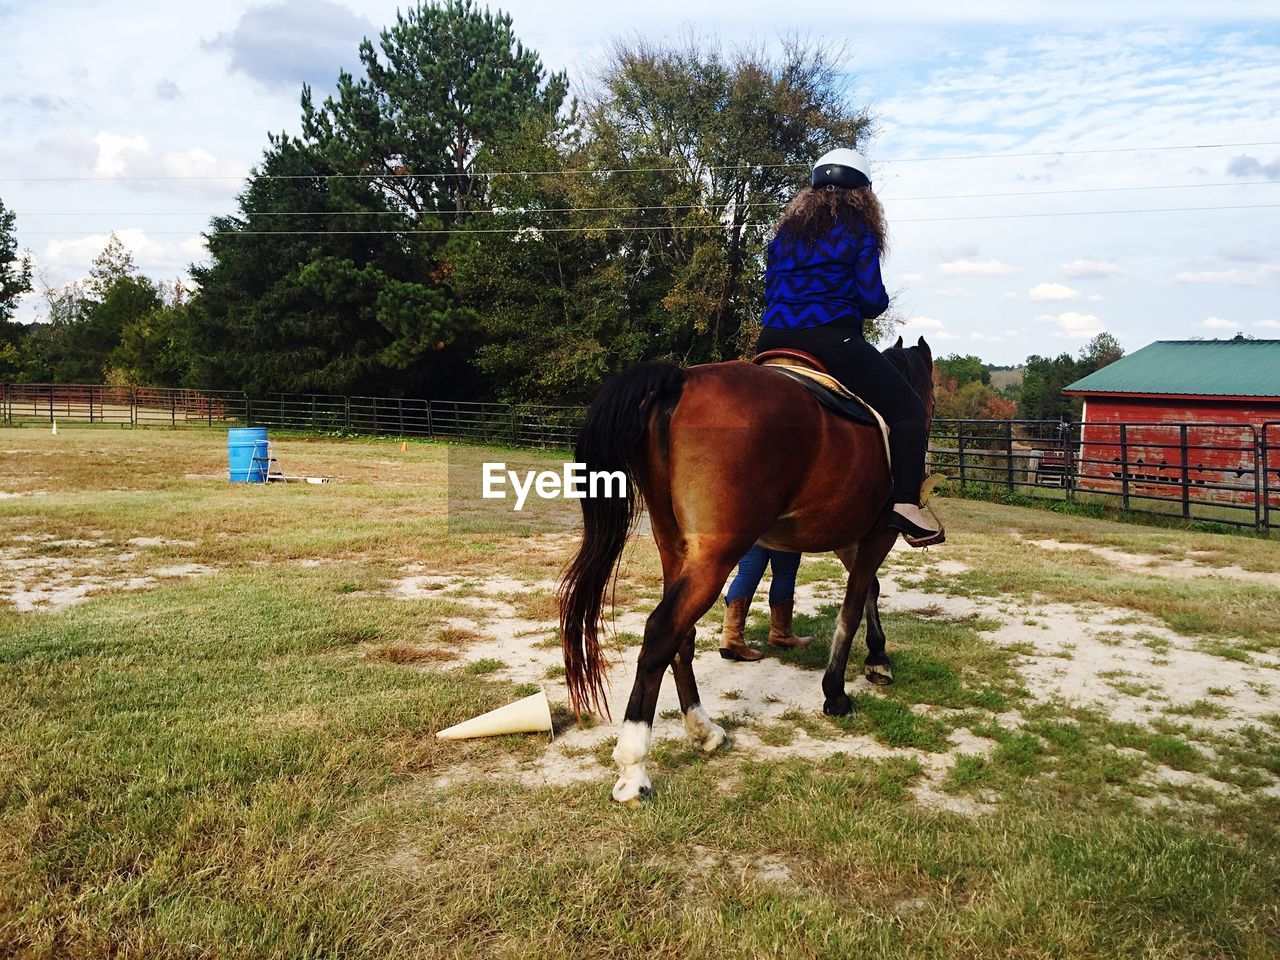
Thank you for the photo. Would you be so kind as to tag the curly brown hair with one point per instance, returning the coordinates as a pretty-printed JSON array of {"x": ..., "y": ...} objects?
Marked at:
[{"x": 815, "y": 210}]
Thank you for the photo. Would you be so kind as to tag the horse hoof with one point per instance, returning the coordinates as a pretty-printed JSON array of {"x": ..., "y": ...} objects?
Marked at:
[
  {"x": 713, "y": 741},
  {"x": 639, "y": 800},
  {"x": 879, "y": 675},
  {"x": 632, "y": 790},
  {"x": 841, "y": 706}
]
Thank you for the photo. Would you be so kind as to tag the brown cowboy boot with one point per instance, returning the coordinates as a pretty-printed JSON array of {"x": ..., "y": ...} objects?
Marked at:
[
  {"x": 780, "y": 632},
  {"x": 735, "y": 620}
]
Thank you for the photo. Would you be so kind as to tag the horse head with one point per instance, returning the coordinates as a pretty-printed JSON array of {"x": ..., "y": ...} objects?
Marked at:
[{"x": 916, "y": 364}]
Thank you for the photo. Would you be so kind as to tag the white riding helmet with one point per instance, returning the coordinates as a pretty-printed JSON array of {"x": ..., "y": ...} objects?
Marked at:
[{"x": 841, "y": 168}]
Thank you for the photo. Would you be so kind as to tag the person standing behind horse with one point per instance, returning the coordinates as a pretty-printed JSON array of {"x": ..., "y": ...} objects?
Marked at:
[
  {"x": 822, "y": 280},
  {"x": 782, "y": 592}
]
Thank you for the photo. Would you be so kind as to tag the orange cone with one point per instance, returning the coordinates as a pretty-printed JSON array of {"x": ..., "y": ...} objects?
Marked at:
[{"x": 404, "y": 446}]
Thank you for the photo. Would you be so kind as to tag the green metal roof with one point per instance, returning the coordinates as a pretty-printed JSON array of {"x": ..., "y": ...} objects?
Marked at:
[{"x": 1213, "y": 368}]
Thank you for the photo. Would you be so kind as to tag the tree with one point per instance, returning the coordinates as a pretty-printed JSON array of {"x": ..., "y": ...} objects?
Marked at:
[
  {"x": 971, "y": 400},
  {"x": 1098, "y": 352},
  {"x": 552, "y": 301},
  {"x": 714, "y": 143},
  {"x": 446, "y": 83},
  {"x": 1042, "y": 384},
  {"x": 155, "y": 349},
  {"x": 15, "y": 282},
  {"x": 15, "y": 267},
  {"x": 86, "y": 320},
  {"x": 964, "y": 370},
  {"x": 331, "y": 277}
]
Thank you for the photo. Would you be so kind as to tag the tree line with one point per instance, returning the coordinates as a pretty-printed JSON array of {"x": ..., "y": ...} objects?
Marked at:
[
  {"x": 455, "y": 222},
  {"x": 964, "y": 390}
]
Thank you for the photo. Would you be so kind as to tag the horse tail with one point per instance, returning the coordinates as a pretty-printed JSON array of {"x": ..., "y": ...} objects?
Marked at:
[{"x": 611, "y": 441}]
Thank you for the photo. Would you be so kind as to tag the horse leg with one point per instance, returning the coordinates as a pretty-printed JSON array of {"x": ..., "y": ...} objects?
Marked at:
[
  {"x": 876, "y": 667},
  {"x": 861, "y": 573},
  {"x": 703, "y": 733},
  {"x": 668, "y": 631}
]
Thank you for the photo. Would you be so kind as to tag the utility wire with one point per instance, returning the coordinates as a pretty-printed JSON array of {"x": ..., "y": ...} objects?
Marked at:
[
  {"x": 630, "y": 228},
  {"x": 682, "y": 206},
  {"x": 391, "y": 175}
]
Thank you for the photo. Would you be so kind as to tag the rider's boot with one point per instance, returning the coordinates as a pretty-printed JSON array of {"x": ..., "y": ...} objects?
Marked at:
[
  {"x": 780, "y": 632},
  {"x": 915, "y": 526},
  {"x": 732, "y": 646}
]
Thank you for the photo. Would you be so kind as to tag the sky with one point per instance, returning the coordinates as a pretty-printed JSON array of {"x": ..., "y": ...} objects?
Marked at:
[{"x": 1049, "y": 171}]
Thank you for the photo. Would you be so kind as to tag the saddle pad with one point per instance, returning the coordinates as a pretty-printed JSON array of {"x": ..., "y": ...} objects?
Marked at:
[{"x": 835, "y": 396}]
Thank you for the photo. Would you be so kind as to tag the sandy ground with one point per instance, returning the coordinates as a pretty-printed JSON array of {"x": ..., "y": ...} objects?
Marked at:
[
  {"x": 1162, "y": 567},
  {"x": 43, "y": 573},
  {"x": 1130, "y": 668}
]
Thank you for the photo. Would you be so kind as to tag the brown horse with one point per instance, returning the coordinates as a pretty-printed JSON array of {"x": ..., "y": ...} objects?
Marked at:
[{"x": 723, "y": 455}]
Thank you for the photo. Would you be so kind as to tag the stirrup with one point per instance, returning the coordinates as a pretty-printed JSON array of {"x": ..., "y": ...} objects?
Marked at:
[{"x": 916, "y": 535}]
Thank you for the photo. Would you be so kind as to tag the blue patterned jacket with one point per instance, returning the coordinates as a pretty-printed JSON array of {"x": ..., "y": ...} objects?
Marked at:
[{"x": 834, "y": 281}]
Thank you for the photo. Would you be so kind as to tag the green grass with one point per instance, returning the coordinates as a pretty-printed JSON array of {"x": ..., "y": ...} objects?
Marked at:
[{"x": 244, "y": 764}]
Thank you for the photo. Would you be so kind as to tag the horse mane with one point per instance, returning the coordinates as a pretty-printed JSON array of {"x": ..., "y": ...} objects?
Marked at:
[{"x": 915, "y": 364}]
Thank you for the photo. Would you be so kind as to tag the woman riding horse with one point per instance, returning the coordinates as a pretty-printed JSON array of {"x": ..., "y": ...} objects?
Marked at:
[
  {"x": 726, "y": 455},
  {"x": 821, "y": 282}
]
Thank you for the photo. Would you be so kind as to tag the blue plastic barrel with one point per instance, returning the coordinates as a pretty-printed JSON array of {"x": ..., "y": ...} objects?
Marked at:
[{"x": 244, "y": 444}]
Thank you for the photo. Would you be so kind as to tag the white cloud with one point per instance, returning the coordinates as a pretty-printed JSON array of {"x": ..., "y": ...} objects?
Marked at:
[
  {"x": 1053, "y": 291},
  {"x": 73, "y": 257},
  {"x": 929, "y": 327},
  {"x": 1074, "y": 326},
  {"x": 923, "y": 323},
  {"x": 952, "y": 291},
  {"x": 1091, "y": 269},
  {"x": 1268, "y": 324},
  {"x": 1231, "y": 278},
  {"x": 1217, "y": 323},
  {"x": 914, "y": 278},
  {"x": 985, "y": 338},
  {"x": 1011, "y": 295},
  {"x": 977, "y": 268},
  {"x": 132, "y": 158},
  {"x": 1095, "y": 298},
  {"x": 115, "y": 152}
]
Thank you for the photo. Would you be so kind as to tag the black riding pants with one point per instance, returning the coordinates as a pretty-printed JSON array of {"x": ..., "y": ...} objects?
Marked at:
[{"x": 865, "y": 371}]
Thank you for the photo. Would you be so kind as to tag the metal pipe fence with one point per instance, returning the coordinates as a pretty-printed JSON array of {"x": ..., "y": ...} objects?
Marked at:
[
  {"x": 1226, "y": 473},
  {"x": 519, "y": 425}
]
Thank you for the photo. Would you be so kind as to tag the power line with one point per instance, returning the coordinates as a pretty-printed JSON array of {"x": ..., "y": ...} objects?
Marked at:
[
  {"x": 395, "y": 174},
  {"x": 631, "y": 228},
  {"x": 684, "y": 206}
]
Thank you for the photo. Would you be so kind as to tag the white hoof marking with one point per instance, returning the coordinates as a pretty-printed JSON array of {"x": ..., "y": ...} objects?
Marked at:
[
  {"x": 633, "y": 785},
  {"x": 704, "y": 734}
]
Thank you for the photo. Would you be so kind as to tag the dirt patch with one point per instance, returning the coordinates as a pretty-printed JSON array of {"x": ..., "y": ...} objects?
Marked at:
[
  {"x": 44, "y": 573},
  {"x": 757, "y": 694},
  {"x": 1075, "y": 655},
  {"x": 1160, "y": 566},
  {"x": 1129, "y": 667}
]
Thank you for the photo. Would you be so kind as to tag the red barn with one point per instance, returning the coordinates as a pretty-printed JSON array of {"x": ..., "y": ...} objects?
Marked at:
[{"x": 1184, "y": 420}]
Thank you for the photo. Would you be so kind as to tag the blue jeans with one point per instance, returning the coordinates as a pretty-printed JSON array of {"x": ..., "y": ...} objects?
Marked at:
[{"x": 751, "y": 569}]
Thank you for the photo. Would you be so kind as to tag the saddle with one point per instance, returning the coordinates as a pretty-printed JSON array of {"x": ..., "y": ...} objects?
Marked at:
[{"x": 808, "y": 371}]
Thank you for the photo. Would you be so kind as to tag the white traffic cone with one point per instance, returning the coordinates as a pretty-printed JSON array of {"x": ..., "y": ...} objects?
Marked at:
[
  {"x": 55, "y": 428},
  {"x": 530, "y": 715}
]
